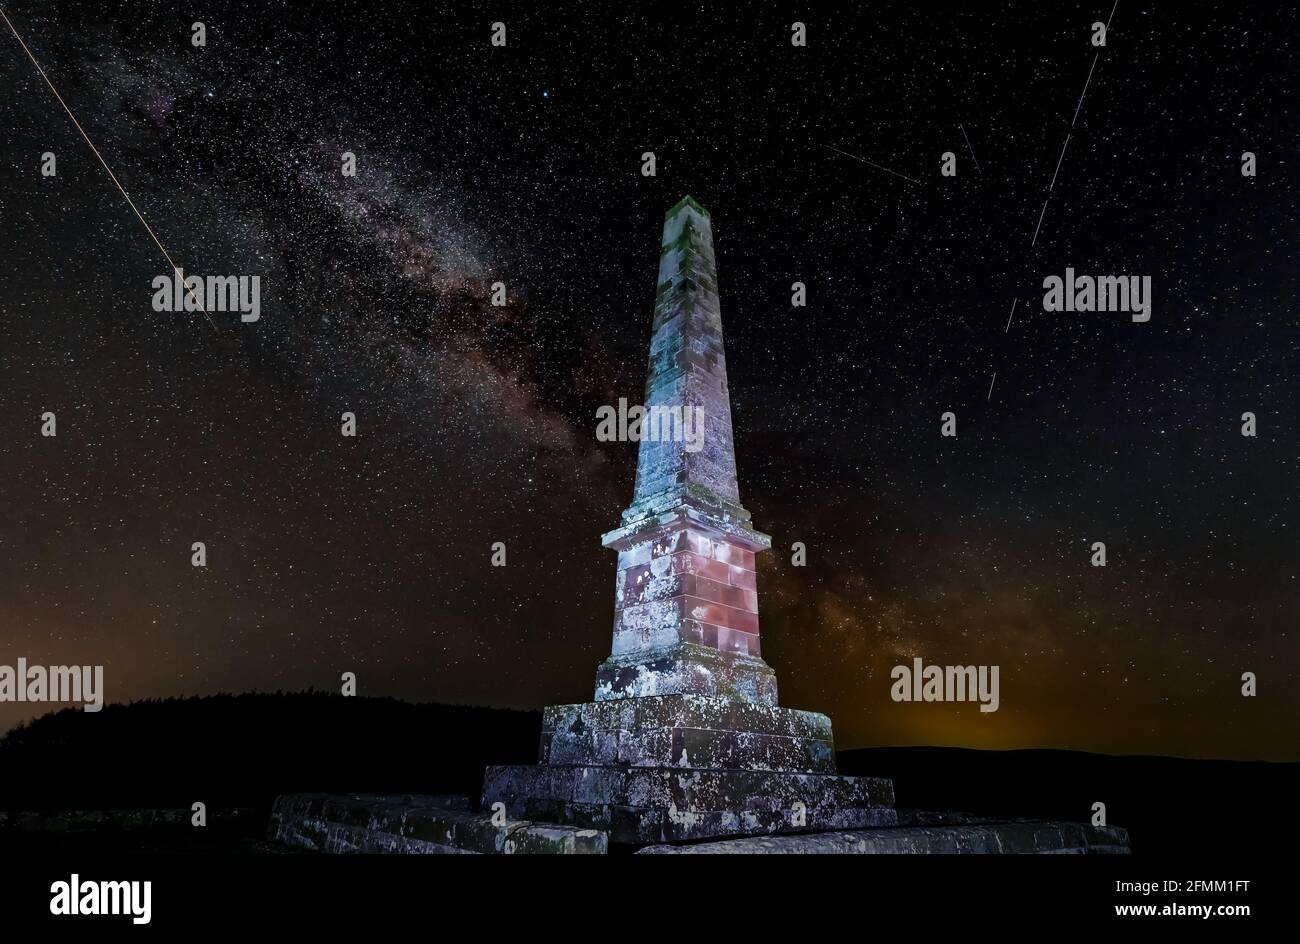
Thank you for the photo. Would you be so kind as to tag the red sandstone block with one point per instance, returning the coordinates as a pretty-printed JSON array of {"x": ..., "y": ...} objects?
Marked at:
[
  {"x": 730, "y": 640},
  {"x": 706, "y": 612},
  {"x": 739, "y": 577},
  {"x": 741, "y": 620},
  {"x": 717, "y": 592},
  {"x": 746, "y": 600},
  {"x": 674, "y": 565},
  {"x": 727, "y": 553},
  {"x": 702, "y": 610},
  {"x": 699, "y": 543},
  {"x": 688, "y": 562},
  {"x": 714, "y": 570},
  {"x": 634, "y": 594},
  {"x": 704, "y": 588},
  {"x": 719, "y": 637},
  {"x": 671, "y": 543},
  {"x": 731, "y": 554}
]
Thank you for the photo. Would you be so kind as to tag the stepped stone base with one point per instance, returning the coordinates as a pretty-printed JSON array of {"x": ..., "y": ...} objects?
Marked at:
[
  {"x": 639, "y": 805},
  {"x": 416, "y": 824},
  {"x": 669, "y": 768},
  {"x": 1025, "y": 838},
  {"x": 444, "y": 825}
]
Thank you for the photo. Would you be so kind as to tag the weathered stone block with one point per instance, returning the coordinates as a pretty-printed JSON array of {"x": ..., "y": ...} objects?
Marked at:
[
  {"x": 648, "y": 804},
  {"x": 687, "y": 731},
  {"x": 689, "y": 711},
  {"x": 686, "y": 668}
]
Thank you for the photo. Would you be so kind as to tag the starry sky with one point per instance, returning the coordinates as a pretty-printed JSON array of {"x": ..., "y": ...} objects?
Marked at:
[{"x": 476, "y": 423}]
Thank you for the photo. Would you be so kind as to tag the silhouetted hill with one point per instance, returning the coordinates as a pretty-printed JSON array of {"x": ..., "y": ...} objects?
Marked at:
[{"x": 242, "y": 750}]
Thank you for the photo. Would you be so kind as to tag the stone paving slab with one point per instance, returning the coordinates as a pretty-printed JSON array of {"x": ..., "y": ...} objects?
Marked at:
[
  {"x": 1024, "y": 838},
  {"x": 355, "y": 823}
]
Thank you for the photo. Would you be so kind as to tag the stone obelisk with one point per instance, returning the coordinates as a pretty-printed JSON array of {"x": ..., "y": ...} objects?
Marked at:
[
  {"x": 685, "y": 740},
  {"x": 686, "y": 601}
]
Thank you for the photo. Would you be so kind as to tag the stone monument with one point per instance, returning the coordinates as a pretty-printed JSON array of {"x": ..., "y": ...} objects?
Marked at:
[{"x": 684, "y": 740}]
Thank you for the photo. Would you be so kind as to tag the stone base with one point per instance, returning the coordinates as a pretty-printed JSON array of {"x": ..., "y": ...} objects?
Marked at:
[
  {"x": 416, "y": 824},
  {"x": 686, "y": 668},
  {"x": 639, "y": 805},
  {"x": 687, "y": 731},
  {"x": 444, "y": 825}
]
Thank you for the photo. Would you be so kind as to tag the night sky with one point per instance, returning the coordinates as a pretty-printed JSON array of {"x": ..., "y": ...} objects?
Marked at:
[{"x": 476, "y": 423}]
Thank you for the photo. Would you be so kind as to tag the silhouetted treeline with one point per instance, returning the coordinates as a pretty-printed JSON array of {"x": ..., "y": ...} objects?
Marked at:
[{"x": 242, "y": 750}]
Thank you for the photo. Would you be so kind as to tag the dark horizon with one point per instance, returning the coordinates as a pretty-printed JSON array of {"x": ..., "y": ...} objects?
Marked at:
[{"x": 29, "y": 723}]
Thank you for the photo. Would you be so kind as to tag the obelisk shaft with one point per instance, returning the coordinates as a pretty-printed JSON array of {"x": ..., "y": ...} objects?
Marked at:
[{"x": 688, "y": 369}]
